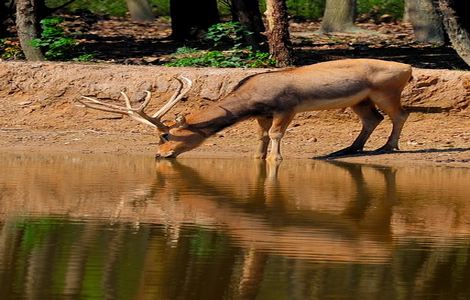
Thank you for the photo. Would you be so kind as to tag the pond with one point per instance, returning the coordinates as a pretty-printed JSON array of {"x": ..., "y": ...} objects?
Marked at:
[{"x": 129, "y": 227}]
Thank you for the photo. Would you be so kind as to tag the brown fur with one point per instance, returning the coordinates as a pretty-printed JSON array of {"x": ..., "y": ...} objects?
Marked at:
[{"x": 275, "y": 97}]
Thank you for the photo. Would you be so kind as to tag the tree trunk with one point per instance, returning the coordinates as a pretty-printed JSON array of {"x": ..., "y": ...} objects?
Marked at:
[
  {"x": 427, "y": 24},
  {"x": 3, "y": 18},
  {"x": 278, "y": 32},
  {"x": 140, "y": 10},
  {"x": 248, "y": 14},
  {"x": 27, "y": 25},
  {"x": 457, "y": 27},
  {"x": 406, "y": 11},
  {"x": 189, "y": 18},
  {"x": 338, "y": 16}
]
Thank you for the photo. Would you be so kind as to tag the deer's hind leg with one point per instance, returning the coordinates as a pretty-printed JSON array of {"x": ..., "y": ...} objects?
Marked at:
[
  {"x": 390, "y": 104},
  {"x": 370, "y": 118},
  {"x": 265, "y": 124}
]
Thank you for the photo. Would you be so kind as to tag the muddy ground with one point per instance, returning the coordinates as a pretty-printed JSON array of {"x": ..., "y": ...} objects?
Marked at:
[{"x": 39, "y": 113}]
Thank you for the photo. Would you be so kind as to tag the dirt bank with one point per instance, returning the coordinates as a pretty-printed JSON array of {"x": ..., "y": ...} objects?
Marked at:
[{"x": 38, "y": 112}]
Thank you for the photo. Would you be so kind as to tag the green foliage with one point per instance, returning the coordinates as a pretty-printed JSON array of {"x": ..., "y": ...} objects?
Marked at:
[
  {"x": 235, "y": 58},
  {"x": 260, "y": 59},
  {"x": 313, "y": 9},
  {"x": 53, "y": 40},
  {"x": 185, "y": 50},
  {"x": 231, "y": 33},
  {"x": 393, "y": 7},
  {"x": 109, "y": 7},
  {"x": 308, "y": 9},
  {"x": 84, "y": 57}
]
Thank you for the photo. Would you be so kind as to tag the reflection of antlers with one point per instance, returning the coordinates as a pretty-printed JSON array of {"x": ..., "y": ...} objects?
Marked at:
[{"x": 138, "y": 114}]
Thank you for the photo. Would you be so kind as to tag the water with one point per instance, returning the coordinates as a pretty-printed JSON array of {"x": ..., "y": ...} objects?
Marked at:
[{"x": 122, "y": 227}]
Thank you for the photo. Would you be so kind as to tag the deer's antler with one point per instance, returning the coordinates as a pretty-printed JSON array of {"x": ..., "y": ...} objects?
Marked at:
[
  {"x": 139, "y": 114},
  {"x": 177, "y": 96}
]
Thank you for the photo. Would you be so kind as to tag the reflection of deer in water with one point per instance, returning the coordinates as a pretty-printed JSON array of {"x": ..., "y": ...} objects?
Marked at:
[
  {"x": 262, "y": 220},
  {"x": 265, "y": 202},
  {"x": 372, "y": 211},
  {"x": 225, "y": 192}
]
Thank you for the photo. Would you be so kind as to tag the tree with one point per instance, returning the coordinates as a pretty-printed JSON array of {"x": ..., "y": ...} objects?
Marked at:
[
  {"x": 247, "y": 12},
  {"x": 278, "y": 32},
  {"x": 457, "y": 27},
  {"x": 427, "y": 24},
  {"x": 189, "y": 17},
  {"x": 27, "y": 26},
  {"x": 140, "y": 10},
  {"x": 3, "y": 18},
  {"x": 338, "y": 16}
]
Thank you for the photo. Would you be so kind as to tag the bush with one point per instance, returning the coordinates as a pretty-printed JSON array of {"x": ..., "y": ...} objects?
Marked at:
[
  {"x": 236, "y": 58},
  {"x": 53, "y": 41},
  {"x": 227, "y": 33},
  {"x": 236, "y": 55}
]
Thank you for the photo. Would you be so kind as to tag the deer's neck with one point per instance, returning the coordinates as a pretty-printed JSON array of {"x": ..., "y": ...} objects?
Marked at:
[{"x": 220, "y": 115}]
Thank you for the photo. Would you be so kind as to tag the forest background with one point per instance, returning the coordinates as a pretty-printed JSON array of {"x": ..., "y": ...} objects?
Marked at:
[{"x": 235, "y": 33}]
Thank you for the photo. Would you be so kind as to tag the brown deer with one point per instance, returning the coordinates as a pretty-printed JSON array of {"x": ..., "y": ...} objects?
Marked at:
[{"x": 273, "y": 98}]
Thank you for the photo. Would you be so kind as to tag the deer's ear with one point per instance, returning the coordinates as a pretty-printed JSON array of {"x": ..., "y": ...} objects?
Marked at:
[{"x": 181, "y": 121}]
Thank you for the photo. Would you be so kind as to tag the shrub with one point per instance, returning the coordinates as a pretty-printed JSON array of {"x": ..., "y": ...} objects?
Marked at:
[
  {"x": 235, "y": 58},
  {"x": 228, "y": 36},
  {"x": 228, "y": 33},
  {"x": 53, "y": 41}
]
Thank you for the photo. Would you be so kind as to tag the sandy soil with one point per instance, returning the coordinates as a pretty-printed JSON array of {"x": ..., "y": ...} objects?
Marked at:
[{"x": 39, "y": 113}]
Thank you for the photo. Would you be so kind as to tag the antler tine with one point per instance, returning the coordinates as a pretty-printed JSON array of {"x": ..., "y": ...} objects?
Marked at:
[
  {"x": 141, "y": 108},
  {"x": 137, "y": 114},
  {"x": 146, "y": 101},
  {"x": 103, "y": 106},
  {"x": 177, "y": 96},
  {"x": 127, "y": 101}
]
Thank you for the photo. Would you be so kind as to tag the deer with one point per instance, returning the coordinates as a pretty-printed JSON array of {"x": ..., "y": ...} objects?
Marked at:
[{"x": 273, "y": 98}]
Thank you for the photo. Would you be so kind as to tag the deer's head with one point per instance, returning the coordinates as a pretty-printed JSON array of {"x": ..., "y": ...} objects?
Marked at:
[
  {"x": 175, "y": 137},
  {"x": 179, "y": 138}
]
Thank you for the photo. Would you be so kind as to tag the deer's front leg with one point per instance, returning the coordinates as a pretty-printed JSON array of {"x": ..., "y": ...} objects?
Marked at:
[
  {"x": 277, "y": 131},
  {"x": 263, "y": 134}
]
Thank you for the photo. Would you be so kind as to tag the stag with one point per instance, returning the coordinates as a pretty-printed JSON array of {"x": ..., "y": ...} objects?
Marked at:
[{"x": 274, "y": 98}]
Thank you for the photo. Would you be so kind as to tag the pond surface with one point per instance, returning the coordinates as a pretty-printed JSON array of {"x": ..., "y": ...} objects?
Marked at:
[{"x": 121, "y": 227}]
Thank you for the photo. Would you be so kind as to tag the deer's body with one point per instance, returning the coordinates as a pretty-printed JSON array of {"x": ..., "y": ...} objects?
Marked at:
[{"x": 274, "y": 98}]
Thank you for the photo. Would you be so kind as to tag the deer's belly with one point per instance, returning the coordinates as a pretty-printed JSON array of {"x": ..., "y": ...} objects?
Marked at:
[{"x": 308, "y": 104}]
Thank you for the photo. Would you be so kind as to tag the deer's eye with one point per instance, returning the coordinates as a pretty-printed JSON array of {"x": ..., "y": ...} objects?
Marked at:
[{"x": 165, "y": 137}]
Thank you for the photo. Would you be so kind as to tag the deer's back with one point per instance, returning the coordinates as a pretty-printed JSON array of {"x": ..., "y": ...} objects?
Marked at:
[{"x": 324, "y": 85}]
